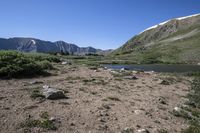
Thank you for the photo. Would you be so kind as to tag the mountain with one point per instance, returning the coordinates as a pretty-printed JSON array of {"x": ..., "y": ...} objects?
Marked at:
[
  {"x": 173, "y": 41},
  {"x": 36, "y": 45}
]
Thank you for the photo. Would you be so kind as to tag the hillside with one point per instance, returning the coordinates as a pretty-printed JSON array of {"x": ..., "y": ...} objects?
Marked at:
[
  {"x": 36, "y": 45},
  {"x": 174, "y": 41}
]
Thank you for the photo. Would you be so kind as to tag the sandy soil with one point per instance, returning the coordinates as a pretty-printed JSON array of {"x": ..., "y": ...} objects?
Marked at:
[{"x": 97, "y": 102}]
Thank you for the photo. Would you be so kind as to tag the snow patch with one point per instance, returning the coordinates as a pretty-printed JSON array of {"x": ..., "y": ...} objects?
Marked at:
[
  {"x": 155, "y": 26},
  {"x": 33, "y": 41}
]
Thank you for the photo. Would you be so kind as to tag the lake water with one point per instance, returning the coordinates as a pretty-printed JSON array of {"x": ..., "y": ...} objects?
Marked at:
[{"x": 158, "y": 67}]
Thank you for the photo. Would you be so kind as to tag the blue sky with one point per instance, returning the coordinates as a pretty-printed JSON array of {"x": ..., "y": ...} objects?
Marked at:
[{"x": 99, "y": 23}]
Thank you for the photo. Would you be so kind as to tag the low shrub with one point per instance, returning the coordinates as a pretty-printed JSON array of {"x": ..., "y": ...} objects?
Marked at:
[{"x": 15, "y": 64}]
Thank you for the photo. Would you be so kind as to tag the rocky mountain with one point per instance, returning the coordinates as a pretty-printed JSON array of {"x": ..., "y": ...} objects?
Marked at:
[
  {"x": 36, "y": 45},
  {"x": 173, "y": 41}
]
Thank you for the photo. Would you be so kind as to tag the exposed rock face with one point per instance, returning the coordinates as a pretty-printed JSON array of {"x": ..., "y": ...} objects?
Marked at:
[{"x": 36, "y": 45}]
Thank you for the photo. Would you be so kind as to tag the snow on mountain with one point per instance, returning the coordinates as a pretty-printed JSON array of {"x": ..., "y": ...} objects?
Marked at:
[
  {"x": 181, "y": 18},
  {"x": 33, "y": 41}
]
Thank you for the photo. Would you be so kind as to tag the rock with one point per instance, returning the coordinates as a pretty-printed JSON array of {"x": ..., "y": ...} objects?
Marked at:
[
  {"x": 183, "y": 113},
  {"x": 53, "y": 94},
  {"x": 134, "y": 72},
  {"x": 143, "y": 131},
  {"x": 164, "y": 82},
  {"x": 128, "y": 130},
  {"x": 102, "y": 120},
  {"x": 162, "y": 100},
  {"x": 177, "y": 109},
  {"x": 149, "y": 72},
  {"x": 72, "y": 124},
  {"x": 138, "y": 112},
  {"x": 52, "y": 119},
  {"x": 131, "y": 77},
  {"x": 114, "y": 72},
  {"x": 36, "y": 82},
  {"x": 65, "y": 63},
  {"x": 198, "y": 63},
  {"x": 123, "y": 69}
]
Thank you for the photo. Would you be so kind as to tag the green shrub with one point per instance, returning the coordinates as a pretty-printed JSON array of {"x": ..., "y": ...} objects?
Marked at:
[
  {"x": 194, "y": 107},
  {"x": 35, "y": 93},
  {"x": 17, "y": 64},
  {"x": 44, "y": 123}
]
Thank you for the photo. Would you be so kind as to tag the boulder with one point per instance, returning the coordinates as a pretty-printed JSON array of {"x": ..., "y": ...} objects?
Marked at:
[{"x": 52, "y": 93}]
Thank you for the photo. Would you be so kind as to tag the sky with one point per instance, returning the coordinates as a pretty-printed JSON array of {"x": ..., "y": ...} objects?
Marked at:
[{"x": 105, "y": 24}]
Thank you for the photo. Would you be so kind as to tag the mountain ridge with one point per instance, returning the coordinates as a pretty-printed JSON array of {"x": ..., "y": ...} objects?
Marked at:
[
  {"x": 159, "y": 41},
  {"x": 28, "y": 44}
]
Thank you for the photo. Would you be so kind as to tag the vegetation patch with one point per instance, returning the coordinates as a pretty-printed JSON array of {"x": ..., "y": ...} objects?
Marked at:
[
  {"x": 15, "y": 64},
  {"x": 192, "y": 111},
  {"x": 43, "y": 122},
  {"x": 35, "y": 93}
]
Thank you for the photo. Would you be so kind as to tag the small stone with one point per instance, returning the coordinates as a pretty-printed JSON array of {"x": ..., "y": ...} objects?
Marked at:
[
  {"x": 164, "y": 82},
  {"x": 149, "y": 72},
  {"x": 162, "y": 100},
  {"x": 52, "y": 119},
  {"x": 134, "y": 72},
  {"x": 64, "y": 63},
  {"x": 138, "y": 112},
  {"x": 36, "y": 82},
  {"x": 138, "y": 126},
  {"x": 177, "y": 109},
  {"x": 102, "y": 120},
  {"x": 128, "y": 130},
  {"x": 72, "y": 124},
  {"x": 131, "y": 77},
  {"x": 143, "y": 131}
]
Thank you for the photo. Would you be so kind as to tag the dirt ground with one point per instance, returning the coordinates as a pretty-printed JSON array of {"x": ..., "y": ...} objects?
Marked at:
[{"x": 98, "y": 102}]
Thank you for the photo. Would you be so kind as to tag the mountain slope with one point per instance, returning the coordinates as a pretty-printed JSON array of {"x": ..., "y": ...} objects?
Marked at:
[
  {"x": 36, "y": 45},
  {"x": 173, "y": 41}
]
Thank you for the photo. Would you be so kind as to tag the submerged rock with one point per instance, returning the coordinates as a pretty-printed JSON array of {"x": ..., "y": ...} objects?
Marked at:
[{"x": 52, "y": 93}]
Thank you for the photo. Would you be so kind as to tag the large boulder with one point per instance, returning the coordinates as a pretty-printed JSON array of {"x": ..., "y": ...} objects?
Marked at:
[{"x": 52, "y": 93}]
